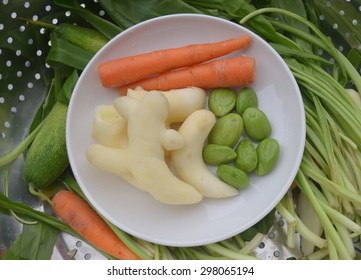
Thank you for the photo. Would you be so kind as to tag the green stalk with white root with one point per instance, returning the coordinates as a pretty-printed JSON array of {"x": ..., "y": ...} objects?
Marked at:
[{"x": 329, "y": 172}]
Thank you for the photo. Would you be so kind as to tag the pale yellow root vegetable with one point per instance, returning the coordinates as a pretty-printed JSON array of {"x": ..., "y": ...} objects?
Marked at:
[
  {"x": 188, "y": 161},
  {"x": 124, "y": 105},
  {"x": 170, "y": 139},
  {"x": 148, "y": 137},
  {"x": 109, "y": 128},
  {"x": 182, "y": 102},
  {"x": 112, "y": 160}
]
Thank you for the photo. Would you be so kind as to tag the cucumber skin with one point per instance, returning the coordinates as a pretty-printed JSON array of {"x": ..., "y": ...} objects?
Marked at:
[
  {"x": 86, "y": 38},
  {"x": 47, "y": 156}
]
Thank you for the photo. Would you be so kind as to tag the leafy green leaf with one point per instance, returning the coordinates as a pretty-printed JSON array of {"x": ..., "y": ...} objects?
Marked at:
[
  {"x": 45, "y": 108},
  {"x": 297, "y": 7},
  {"x": 67, "y": 89},
  {"x": 21, "y": 208},
  {"x": 240, "y": 8},
  {"x": 36, "y": 242},
  {"x": 62, "y": 53},
  {"x": 13, "y": 252},
  {"x": 289, "y": 52},
  {"x": 127, "y": 12},
  {"x": 354, "y": 56},
  {"x": 264, "y": 225},
  {"x": 249, "y": 233}
]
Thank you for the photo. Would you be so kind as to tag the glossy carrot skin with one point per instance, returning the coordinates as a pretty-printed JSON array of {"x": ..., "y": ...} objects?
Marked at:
[
  {"x": 126, "y": 70},
  {"x": 233, "y": 72},
  {"x": 77, "y": 213}
]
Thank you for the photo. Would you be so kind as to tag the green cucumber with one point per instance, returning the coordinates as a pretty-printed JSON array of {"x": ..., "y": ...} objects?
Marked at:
[
  {"x": 47, "y": 157},
  {"x": 89, "y": 39}
]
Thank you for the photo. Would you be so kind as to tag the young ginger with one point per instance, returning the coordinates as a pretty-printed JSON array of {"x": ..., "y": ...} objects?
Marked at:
[
  {"x": 188, "y": 160},
  {"x": 143, "y": 162}
]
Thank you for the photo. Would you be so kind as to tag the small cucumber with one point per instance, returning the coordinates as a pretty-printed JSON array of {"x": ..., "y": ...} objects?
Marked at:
[
  {"x": 47, "y": 157},
  {"x": 89, "y": 39}
]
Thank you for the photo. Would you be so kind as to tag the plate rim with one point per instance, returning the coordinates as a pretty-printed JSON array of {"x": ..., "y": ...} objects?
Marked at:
[{"x": 260, "y": 215}]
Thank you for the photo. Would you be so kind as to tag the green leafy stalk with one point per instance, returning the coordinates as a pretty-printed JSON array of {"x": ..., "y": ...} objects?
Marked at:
[
  {"x": 229, "y": 253},
  {"x": 297, "y": 7},
  {"x": 344, "y": 64},
  {"x": 68, "y": 87},
  {"x": 330, "y": 185},
  {"x": 128, "y": 242},
  {"x": 332, "y": 237},
  {"x": 285, "y": 51},
  {"x": 306, "y": 233},
  {"x": 21, "y": 208},
  {"x": 336, "y": 215},
  {"x": 249, "y": 248},
  {"x": 318, "y": 255}
]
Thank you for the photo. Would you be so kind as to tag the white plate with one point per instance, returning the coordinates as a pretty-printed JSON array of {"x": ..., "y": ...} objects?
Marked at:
[{"x": 211, "y": 220}]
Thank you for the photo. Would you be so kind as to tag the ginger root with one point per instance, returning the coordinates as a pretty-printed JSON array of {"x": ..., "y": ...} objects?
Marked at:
[{"x": 143, "y": 161}]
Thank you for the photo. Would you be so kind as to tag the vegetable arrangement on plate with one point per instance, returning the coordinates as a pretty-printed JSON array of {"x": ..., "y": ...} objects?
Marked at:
[
  {"x": 143, "y": 161},
  {"x": 329, "y": 173}
]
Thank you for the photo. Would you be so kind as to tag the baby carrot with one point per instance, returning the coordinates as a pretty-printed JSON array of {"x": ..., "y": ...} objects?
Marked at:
[
  {"x": 126, "y": 70},
  {"x": 75, "y": 212},
  {"x": 233, "y": 72}
]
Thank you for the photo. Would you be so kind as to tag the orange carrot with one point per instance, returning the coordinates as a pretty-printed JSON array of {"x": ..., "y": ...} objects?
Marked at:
[
  {"x": 75, "y": 212},
  {"x": 233, "y": 72},
  {"x": 126, "y": 70}
]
